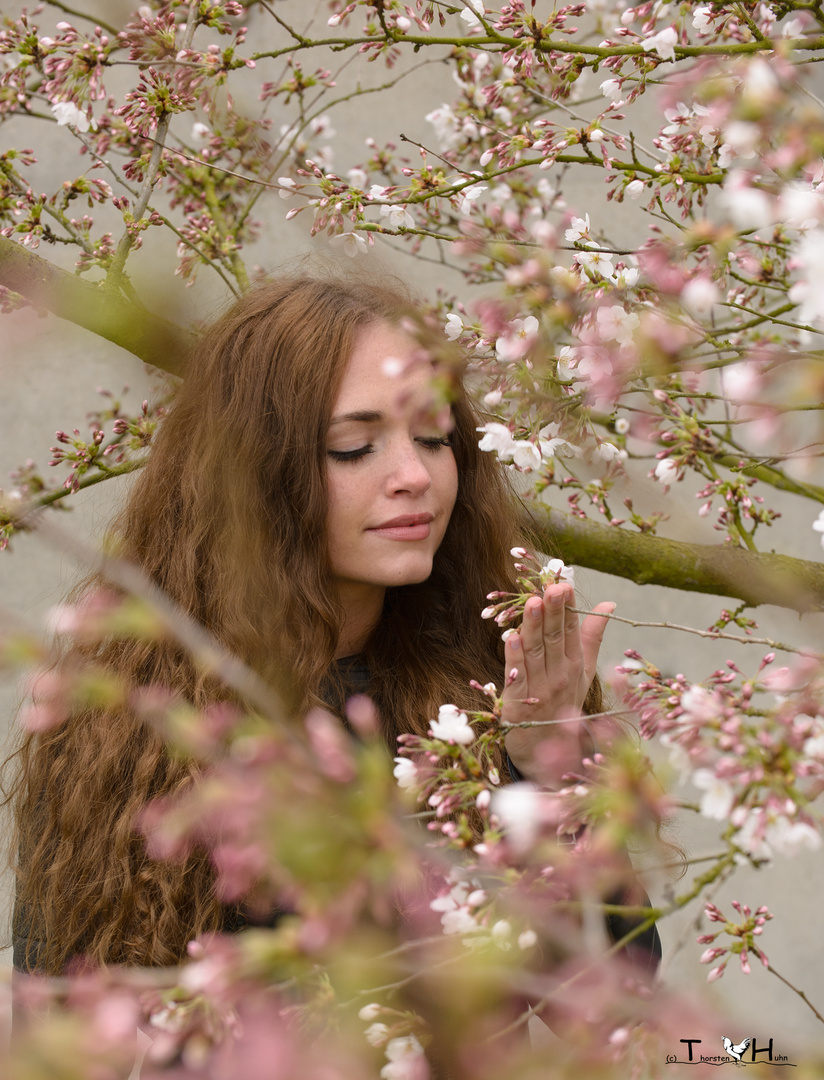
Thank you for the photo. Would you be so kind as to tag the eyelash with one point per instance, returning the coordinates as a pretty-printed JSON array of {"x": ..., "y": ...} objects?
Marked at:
[{"x": 361, "y": 452}]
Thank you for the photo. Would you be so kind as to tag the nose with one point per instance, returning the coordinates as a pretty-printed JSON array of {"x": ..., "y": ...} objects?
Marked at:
[{"x": 408, "y": 472}]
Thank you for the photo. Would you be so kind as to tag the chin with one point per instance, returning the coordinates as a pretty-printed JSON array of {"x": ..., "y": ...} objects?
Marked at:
[{"x": 409, "y": 575}]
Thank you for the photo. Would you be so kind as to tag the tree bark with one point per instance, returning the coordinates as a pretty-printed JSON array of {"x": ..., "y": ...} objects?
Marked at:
[
  {"x": 151, "y": 338},
  {"x": 754, "y": 577}
]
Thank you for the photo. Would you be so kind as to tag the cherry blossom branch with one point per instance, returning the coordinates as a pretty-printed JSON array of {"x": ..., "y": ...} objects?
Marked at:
[
  {"x": 754, "y": 577},
  {"x": 203, "y": 647},
  {"x": 106, "y": 473},
  {"x": 126, "y": 243},
  {"x": 768, "y": 474},
  {"x": 714, "y": 634},
  {"x": 795, "y": 990},
  {"x": 556, "y": 45},
  {"x": 162, "y": 217},
  {"x": 75, "y": 236},
  {"x": 82, "y": 15},
  {"x": 653, "y": 915},
  {"x": 151, "y": 338}
]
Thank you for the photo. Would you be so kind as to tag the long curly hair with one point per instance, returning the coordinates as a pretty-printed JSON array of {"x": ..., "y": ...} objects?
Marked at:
[{"x": 228, "y": 518}]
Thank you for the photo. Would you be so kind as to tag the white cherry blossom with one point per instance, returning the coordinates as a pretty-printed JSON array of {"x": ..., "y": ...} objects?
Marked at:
[
  {"x": 66, "y": 112},
  {"x": 607, "y": 451},
  {"x": 748, "y": 207},
  {"x": 616, "y": 324},
  {"x": 447, "y": 126},
  {"x": 469, "y": 195},
  {"x": 700, "y": 295},
  {"x": 701, "y": 17},
  {"x": 818, "y": 526},
  {"x": 809, "y": 291},
  {"x": 626, "y": 277},
  {"x": 635, "y": 189},
  {"x": 351, "y": 242},
  {"x": 518, "y": 807},
  {"x": 376, "y": 1034},
  {"x": 406, "y": 1060},
  {"x": 718, "y": 797},
  {"x": 663, "y": 43},
  {"x": 461, "y": 921},
  {"x": 471, "y": 12},
  {"x": 595, "y": 263},
  {"x": 578, "y": 229},
  {"x": 556, "y": 570},
  {"x": 528, "y": 939},
  {"x": 611, "y": 88},
  {"x": 516, "y": 342},
  {"x": 800, "y": 207},
  {"x": 405, "y": 773},
  {"x": 498, "y": 438},
  {"x": 399, "y": 217},
  {"x": 454, "y": 326},
  {"x": 452, "y": 725},
  {"x": 287, "y": 187},
  {"x": 527, "y": 455},
  {"x": 666, "y": 472}
]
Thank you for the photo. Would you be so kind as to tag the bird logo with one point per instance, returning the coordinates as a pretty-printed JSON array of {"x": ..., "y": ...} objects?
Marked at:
[{"x": 735, "y": 1051}]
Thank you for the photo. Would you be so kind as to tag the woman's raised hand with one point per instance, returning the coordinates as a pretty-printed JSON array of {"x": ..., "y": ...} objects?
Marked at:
[{"x": 555, "y": 656}]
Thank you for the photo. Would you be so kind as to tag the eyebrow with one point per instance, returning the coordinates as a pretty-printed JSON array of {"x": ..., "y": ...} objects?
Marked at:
[{"x": 364, "y": 416}]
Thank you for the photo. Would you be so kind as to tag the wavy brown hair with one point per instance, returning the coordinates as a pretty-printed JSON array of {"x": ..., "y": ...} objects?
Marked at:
[{"x": 228, "y": 518}]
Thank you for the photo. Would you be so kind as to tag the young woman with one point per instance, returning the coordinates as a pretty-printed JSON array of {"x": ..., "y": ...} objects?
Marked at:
[{"x": 309, "y": 503}]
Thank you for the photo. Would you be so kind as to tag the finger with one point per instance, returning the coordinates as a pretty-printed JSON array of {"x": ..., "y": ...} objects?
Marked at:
[
  {"x": 515, "y": 680},
  {"x": 592, "y": 634},
  {"x": 573, "y": 646},
  {"x": 532, "y": 660},
  {"x": 554, "y": 626}
]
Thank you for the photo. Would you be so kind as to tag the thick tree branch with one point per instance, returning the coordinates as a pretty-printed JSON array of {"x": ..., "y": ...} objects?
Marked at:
[
  {"x": 153, "y": 339},
  {"x": 754, "y": 577}
]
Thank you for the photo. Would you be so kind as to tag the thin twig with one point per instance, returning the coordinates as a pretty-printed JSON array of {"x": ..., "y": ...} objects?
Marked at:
[
  {"x": 795, "y": 990},
  {"x": 714, "y": 634},
  {"x": 127, "y": 240},
  {"x": 204, "y": 648},
  {"x": 82, "y": 15}
]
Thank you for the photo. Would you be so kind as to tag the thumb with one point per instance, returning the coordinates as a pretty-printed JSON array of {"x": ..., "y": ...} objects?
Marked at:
[{"x": 593, "y": 629}]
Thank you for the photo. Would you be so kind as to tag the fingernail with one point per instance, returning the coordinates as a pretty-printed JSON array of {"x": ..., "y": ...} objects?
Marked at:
[
  {"x": 558, "y": 597},
  {"x": 514, "y": 642}
]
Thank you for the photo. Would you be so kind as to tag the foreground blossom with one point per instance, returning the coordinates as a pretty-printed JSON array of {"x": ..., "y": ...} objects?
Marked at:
[{"x": 452, "y": 726}]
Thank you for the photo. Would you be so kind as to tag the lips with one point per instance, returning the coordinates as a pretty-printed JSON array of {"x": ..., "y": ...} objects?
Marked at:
[
  {"x": 405, "y": 520},
  {"x": 405, "y": 527}
]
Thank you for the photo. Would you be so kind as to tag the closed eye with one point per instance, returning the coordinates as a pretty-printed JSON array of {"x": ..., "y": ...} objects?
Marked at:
[
  {"x": 434, "y": 444},
  {"x": 350, "y": 455}
]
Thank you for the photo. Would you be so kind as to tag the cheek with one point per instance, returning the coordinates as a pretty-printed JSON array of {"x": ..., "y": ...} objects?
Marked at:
[
  {"x": 345, "y": 494},
  {"x": 447, "y": 485}
]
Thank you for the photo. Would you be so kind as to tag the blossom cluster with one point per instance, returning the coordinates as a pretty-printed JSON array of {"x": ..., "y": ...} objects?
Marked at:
[{"x": 760, "y": 778}]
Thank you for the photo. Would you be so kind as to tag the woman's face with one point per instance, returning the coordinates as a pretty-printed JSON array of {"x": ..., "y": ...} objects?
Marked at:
[{"x": 391, "y": 474}]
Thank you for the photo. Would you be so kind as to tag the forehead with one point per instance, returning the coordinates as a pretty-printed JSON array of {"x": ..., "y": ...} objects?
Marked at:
[{"x": 386, "y": 372}]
